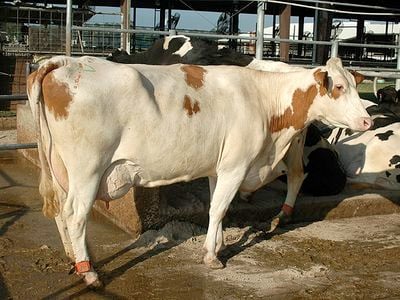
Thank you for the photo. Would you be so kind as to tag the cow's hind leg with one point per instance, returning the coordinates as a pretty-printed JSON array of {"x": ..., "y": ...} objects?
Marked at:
[
  {"x": 64, "y": 235},
  {"x": 61, "y": 223},
  {"x": 225, "y": 189},
  {"x": 79, "y": 202}
]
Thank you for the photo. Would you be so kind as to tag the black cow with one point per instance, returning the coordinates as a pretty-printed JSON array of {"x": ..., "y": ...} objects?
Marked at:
[
  {"x": 181, "y": 49},
  {"x": 388, "y": 94},
  {"x": 325, "y": 175}
]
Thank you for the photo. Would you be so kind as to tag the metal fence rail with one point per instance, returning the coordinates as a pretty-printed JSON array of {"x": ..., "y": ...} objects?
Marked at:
[
  {"x": 18, "y": 146},
  {"x": 13, "y": 97}
]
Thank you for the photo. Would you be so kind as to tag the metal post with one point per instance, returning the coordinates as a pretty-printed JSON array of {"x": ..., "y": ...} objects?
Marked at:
[
  {"x": 300, "y": 36},
  {"x": 128, "y": 25},
  {"x": 169, "y": 14},
  {"x": 284, "y": 33},
  {"x": 314, "y": 51},
  {"x": 162, "y": 19},
  {"x": 122, "y": 25},
  {"x": 335, "y": 48},
  {"x": 398, "y": 61},
  {"x": 260, "y": 29},
  {"x": 125, "y": 24},
  {"x": 27, "y": 69},
  {"x": 68, "y": 28}
]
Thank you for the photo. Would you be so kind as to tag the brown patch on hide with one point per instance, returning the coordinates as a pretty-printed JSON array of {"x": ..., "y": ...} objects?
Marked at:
[
  {"x": 321, "y": 78},
  {"x": 187, "y": 105},
  {"x": 39, "y": 75},
  {"x": 44, "y": 70},
  {"x": 335, "y": 92},
  {"x": 194, "y": 75},
  {"x": 357, "y": 76},
  {"x": 57, "y": 96},
  {"x": 296, "y": 118},
  {"x": 196, "y": 107}
]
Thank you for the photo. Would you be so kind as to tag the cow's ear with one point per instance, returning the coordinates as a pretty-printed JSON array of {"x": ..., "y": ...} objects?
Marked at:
[
  {"x": 357, "y": 76},
  {"x": 321, "y": 77}
]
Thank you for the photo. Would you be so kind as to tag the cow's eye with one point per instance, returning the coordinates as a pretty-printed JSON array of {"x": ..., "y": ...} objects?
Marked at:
[{"x": 339, "y": 87}]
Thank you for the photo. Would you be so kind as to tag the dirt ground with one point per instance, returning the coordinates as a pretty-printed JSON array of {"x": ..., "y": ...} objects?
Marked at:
[{"x": 354, "y": 258}]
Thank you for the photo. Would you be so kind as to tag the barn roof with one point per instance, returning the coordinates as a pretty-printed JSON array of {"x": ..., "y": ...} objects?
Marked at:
[{"x": 232, "y": 5}]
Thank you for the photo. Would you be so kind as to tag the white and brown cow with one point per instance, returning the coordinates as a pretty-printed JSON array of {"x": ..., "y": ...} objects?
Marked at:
[
  {"x": 322, "y": 171},
  {"x": 196, "y": 51},
  {"x": 106, "y": 127}
]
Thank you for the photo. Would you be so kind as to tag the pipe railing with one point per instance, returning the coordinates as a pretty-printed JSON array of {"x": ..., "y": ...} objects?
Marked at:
[{"x": 18, "y": 146}]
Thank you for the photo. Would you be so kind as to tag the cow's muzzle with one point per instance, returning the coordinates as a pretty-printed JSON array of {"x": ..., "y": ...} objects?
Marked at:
[{"x": 364, "y": 123}]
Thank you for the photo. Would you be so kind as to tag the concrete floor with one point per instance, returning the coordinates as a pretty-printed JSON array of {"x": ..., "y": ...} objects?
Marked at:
[{"x": 345, "y": 258}]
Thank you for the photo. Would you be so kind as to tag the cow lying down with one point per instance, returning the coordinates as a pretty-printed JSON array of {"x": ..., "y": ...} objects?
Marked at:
[
  {"x": 106, "y": 127},
  {"x": 371, "y": 159}
]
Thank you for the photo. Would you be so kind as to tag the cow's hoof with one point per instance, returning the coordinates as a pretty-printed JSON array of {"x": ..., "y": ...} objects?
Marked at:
[
  {"x": 95, "y": 285},
  {"x": 273, "y": 225},
  {"x": 92, "y": 280},
  {"x": 213, "y": 263},
  {"x": 278, "y": 220}
]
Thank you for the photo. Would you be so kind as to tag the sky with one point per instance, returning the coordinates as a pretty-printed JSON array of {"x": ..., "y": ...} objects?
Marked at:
[
  {"x": 188, "y": 19},
  {"x": 196, "y": 20}
]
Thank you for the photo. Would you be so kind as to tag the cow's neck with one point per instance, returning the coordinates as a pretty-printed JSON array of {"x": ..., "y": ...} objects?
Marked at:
[{"x": 289, "y": 107}]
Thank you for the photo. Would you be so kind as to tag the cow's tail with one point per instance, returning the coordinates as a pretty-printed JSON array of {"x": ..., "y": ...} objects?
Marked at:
[{"x": 51, "y": 203}]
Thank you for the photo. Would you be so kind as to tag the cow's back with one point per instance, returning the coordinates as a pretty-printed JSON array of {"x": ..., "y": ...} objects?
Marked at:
[{"x": 161, "y": 119}]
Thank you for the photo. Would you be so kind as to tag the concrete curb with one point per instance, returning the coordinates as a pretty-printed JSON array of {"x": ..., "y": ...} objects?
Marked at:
[
  {"x": 267, "y": 202},
  {"x": 349, "y": 203}
]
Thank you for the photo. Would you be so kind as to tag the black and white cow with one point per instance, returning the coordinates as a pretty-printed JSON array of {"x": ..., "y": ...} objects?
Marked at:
[
  {"x": 388, "y": 94},
  {"x": 372, "y": 158},
  {"x": 182, "y": 49}
]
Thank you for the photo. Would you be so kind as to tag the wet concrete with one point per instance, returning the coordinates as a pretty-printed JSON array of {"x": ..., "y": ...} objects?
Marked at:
[{"x": 353, "y": 258}]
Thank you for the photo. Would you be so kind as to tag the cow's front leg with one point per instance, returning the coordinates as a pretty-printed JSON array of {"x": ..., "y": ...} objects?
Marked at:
[
  {"x": 225, "y": 189},
  {"x": 76, "y": 210},
  {"x": 220, "y": 245},
  {"x": 295, "y": 178}
]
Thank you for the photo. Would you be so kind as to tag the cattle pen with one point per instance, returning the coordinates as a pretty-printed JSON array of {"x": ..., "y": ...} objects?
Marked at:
[{"x": 325, "y": 252}]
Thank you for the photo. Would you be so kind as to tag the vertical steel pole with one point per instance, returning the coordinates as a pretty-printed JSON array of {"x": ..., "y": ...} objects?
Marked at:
[
  {"x": 284, "y": 33},
  {"x": 128, "y": 25},
  {"x": 398, "y": 61},
  {"x": 335, "y": 48},
  {"x": 68, "y": 28},
  {"x": 260, "y": 29},
  {"x": 125, "y": 6},
  {"x": 315, "y": 33}
]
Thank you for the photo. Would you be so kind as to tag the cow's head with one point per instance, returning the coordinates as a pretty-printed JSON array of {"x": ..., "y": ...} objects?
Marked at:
[{"x": 338, "y": 103}]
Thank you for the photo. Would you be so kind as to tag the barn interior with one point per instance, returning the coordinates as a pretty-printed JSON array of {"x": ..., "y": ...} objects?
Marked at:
[
  {"x": 30, "y": 29},
  {"x": 37, "y": 20}
]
